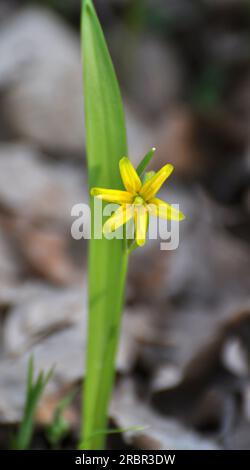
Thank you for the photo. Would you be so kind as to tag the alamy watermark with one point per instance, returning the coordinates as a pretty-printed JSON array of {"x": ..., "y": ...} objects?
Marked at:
[{"x": 87, "y": 225}]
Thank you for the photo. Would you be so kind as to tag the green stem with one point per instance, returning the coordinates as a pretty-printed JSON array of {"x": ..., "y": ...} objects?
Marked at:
[{"x": 101, "y": 353}]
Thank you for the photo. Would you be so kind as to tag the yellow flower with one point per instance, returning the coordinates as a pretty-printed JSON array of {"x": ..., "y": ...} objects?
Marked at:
[{"x": 138, "y": 201}]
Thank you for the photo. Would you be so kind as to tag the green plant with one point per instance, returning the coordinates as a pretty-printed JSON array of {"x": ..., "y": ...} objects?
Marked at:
[
  {"x": 107, "y": 264},
  {"x": 34, "y": 390},
  {"x": 59, "y": 428}
]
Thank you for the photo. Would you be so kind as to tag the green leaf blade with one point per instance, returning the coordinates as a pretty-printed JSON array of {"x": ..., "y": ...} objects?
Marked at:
[
  {"x": 105, "y": 121},
  {"x": 107, "y": 265},
  {"x": 145, "y": 162},
  {"x": 34, "y": 391}
]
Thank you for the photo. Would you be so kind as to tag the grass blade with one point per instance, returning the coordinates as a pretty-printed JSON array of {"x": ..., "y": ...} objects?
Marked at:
[
  {"x": 145, "y": 162},
  {"x": 107, "y": 264},
  {"x": 34, "y": 390},
  {"x": 59, "y": 427}
]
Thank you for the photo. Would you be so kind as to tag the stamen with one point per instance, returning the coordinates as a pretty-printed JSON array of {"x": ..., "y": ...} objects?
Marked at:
[{"x": 138, "y": 200}]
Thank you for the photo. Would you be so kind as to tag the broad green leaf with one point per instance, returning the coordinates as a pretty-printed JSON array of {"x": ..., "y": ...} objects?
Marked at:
[{"x": 107, "y": 263}]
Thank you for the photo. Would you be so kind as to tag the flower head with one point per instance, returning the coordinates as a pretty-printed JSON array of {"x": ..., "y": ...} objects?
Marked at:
[{"x": 138, "y": 201}]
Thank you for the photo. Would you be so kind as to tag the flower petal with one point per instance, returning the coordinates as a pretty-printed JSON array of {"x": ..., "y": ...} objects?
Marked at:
[
  {"x": 120, "y": 217},
  {"x": 151, "y": 187},
  {"x": 129, "y": 176},
  {"x": 162, "y": 209},
  {"x": 112, "y": 195},
  {"x": 141, "y": 224}
]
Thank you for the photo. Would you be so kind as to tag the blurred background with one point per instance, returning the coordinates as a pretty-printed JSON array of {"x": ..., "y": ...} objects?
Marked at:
[{"x": 183, "y": 367}]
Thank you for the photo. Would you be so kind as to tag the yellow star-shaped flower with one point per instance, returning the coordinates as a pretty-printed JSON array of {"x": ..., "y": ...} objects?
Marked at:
[{"x": 138, "y": 201}]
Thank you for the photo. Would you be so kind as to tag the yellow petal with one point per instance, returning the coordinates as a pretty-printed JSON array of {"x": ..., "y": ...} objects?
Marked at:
[
  {"x": 151, "y": 187},
  {"x": 141, "y": 224},
  {"x": 161, "y": 209},
  {"x": 129, "y": 176},
  {"x": 112, "y": 195},
  {"x": 120, "y": 217}
]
